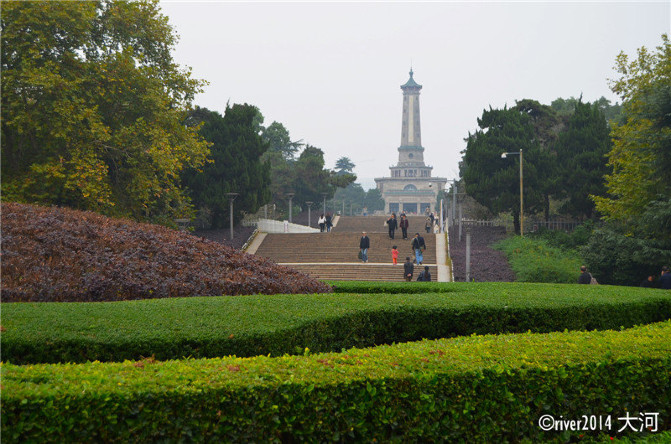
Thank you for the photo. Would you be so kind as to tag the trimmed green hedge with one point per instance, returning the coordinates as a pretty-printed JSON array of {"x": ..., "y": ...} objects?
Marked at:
[
  {"x": 535, "y": 260},
  {"x": 279, "y": 324},
  {"x": 371, "y": 287},
  {"x": 475, "y": 389},
  {"x": 656, "y": 438}
]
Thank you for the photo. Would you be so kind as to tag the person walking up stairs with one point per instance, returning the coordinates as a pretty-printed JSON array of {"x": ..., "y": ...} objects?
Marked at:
[{"x": 333, "y": 255}]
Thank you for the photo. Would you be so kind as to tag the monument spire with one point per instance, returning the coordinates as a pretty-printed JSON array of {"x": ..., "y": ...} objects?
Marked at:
[
  {"x": 411, "y": 187},
  {"x": 411, "y": 133}
]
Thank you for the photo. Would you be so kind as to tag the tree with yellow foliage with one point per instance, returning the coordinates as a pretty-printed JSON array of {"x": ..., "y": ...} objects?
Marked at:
[
  {"x": 93, "y": 108},
  {"x": 641, "y": 155}
]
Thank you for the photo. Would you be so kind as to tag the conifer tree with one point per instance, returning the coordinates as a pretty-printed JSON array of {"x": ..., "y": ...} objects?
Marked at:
[
  {"x": 235, "y": 165},
  {"x": 495, "y": 182},
  {"x": 581, "y": 150}
]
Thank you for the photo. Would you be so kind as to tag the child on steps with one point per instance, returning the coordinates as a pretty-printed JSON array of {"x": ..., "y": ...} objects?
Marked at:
[{"x": 394, "y": 255}]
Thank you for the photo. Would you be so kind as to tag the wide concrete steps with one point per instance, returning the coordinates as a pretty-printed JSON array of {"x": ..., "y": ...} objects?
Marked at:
[
  {"x": 375, "y": 224},
  {"x": 334, "y": 255},
  {"x": 338, "y": 247},
  {"x": 359, "y": 271}
]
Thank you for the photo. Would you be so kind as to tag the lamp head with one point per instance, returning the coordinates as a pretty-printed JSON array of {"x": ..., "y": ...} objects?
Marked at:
[{"x": 503, "y": 155}]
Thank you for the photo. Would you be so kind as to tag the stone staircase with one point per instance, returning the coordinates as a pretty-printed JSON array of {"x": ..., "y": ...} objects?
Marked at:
[
  {"x": 375, "y": 224},
  {"x": 334, "y": 255},
  {"x": 360, "y": 272}
]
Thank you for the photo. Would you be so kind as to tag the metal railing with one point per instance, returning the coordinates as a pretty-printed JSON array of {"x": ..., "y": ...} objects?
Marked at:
[{"x": 530, "y": 225}]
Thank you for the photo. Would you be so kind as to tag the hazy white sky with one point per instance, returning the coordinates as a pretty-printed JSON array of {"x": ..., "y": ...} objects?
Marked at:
[{"x": 331, "y": 72}]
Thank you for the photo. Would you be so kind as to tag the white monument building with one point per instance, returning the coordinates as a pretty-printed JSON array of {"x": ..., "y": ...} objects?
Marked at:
[{"x": 410, "y": 187}]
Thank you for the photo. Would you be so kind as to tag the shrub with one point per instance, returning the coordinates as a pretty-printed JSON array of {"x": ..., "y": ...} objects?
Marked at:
[
  {"x": 533, "y": 260},
  {"x": 278, "y": 324},
  {"x": 373, "y": 287},
  {"x": 56, "y": 254},
  {"x": 620, "y": 259},
  {"x": 476, "y": 389},
  {"x": 566, "y": 240}
]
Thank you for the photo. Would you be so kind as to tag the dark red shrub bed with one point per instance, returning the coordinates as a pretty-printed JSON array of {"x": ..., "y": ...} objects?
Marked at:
[
  {"x": 56, "y": 254},
  {"x": 487, "y": 264}
]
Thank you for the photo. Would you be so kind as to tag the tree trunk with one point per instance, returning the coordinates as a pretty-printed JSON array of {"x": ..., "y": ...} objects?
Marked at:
[{"x": 546, "y": 207}]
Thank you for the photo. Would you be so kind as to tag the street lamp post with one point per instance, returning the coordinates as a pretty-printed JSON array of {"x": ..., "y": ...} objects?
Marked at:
[
  {"x": 503, "y": 156},
  {"x": 309, "y": 204},
  {"x": 468, "y": 253},
  {"x": 231, "y": 198},
  {"x": 324, "y": 196},
  {"x": 290, "y": 196},
  {"x": 454, "y": 201},
  {"x": 452, "y": 214}
]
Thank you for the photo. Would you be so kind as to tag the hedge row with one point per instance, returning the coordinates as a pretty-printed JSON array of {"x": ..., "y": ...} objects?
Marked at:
[
  {"x": 475, "y": 389},
  {"x": 279, "y": 324},
  {"x": 370, "y": 287}
]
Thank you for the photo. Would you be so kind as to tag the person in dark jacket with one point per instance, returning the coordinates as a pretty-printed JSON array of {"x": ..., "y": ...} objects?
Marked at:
[
  {"x": 404, "y": 224},
  {"x": 585, "y": 277},
  {"x": 392, "y": 224},
  {"x": 665, "y": 278},
  {"x": 424, "y": 276},
  {"x": 364, "y": 245},
  {"x": 329, "y": 222},
  {"x": 418, "y": 246},
  {"x": 408, "y": 269},
  {"x": 649, "y": 282},
  {"x": 428, "y": 224}
]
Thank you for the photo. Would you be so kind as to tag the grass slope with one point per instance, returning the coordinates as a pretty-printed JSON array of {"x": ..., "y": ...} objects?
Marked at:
[{"x": 535, "y": 260}]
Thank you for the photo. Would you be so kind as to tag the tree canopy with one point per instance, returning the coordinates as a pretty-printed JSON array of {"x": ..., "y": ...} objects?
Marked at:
[
  {"x": 495, "y": 182},
  {"x": 641, "y": 154},
  {"x": 93, "y": 108},
  {"x": 344, "y": 165},
  {"x": 581, "y": 149},
  {"x": 304, "y": 173},
  {"x": 279, "y": 141},
  {"x": 636, "y": 241},
  {"x": 235, "y": 165}
]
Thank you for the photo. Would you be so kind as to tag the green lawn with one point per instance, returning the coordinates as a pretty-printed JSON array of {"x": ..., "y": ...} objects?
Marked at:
[{"x": 535, "y": 260}]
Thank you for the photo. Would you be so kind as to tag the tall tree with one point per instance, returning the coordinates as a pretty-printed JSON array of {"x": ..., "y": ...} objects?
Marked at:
[
  {"x": 374, "y": 200},
  {"x": 344, "y": 165},
  {"x": 235, "y": 164},
  {"x": 312, "y": 179},
  {"x": 637, "y": 237},
  {"x": 581, "y": 150},
  {"x": 641, "y": 154},
  {"x": 279, "y": 141},
  {"x": 93, "y": 106},
  {"x": 495, "y": 182},
  {"x": 547, "y": 125}
]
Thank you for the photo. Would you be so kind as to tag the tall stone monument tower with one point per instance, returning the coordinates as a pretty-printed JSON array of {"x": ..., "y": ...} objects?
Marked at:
[{"x": 410, "y": 187}]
